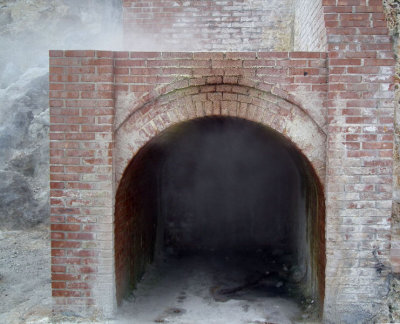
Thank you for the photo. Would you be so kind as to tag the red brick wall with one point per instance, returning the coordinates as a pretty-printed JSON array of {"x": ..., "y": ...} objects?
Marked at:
[
  {"x": 360, "y": 154},
  {"x": 81, "y": 146},
  {"x": 223, "y": 25}
]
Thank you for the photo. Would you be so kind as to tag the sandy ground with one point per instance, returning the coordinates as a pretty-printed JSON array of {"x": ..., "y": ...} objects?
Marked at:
[
  {"x": 24, "y": 276},
  {"x": 181, "y": 291}
]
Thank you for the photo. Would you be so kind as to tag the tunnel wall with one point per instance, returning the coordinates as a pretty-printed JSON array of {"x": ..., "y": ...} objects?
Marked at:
[{"x": 136, "y": 213}]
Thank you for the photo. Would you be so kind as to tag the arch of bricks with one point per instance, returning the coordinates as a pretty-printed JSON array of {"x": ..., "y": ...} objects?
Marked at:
[
  {"x": 220, "y": 99},
  {"x": 98, "y": 98},
  {"x": 176, "y": 105}
]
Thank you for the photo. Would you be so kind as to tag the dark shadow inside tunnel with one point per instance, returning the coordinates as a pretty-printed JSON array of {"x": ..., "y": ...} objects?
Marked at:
[{"x": 228, "y": 189}]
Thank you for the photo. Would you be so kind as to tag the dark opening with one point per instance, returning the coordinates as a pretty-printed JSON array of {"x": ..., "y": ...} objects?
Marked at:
[{"x": 228, "y": 195}]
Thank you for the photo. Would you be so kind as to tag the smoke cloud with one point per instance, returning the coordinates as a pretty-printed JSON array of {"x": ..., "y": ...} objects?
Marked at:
[{"x": 28, "y": 30}]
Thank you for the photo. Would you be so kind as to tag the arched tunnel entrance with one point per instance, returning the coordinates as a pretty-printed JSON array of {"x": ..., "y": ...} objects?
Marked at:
[{"x": 226, "y": 201}]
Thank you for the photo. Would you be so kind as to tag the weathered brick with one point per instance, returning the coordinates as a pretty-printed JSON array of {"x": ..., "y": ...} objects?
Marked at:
[{"x": 345, "y": 87}]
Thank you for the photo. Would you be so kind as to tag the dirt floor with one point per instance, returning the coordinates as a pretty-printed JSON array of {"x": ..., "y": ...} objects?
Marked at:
[
  {"x": 181, "y": 291},
  {"x": 216, "y": 290}
]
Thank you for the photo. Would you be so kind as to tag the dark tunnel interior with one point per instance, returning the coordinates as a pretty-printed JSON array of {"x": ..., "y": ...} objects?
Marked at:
[{"x": 226, "y": 189}]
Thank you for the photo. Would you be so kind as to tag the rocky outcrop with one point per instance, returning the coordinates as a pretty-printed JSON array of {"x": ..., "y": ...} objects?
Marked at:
[{"x": 24, "y": 151}]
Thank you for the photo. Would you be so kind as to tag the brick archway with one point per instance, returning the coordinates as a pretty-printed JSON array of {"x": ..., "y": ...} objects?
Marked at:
[
  {"x": 179, "y": 102},
  {"x": 181, "y": 105},
  {"x": 105, "y": 106}
]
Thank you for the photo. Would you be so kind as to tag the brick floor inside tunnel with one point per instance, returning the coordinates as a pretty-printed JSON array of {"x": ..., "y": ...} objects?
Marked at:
[{"x": 218, "y": 212}]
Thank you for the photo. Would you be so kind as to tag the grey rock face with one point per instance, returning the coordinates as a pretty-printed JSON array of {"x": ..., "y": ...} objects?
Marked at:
[
  {"x": 24, "y": 151},
  {"x": 19, "y": 208}
]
